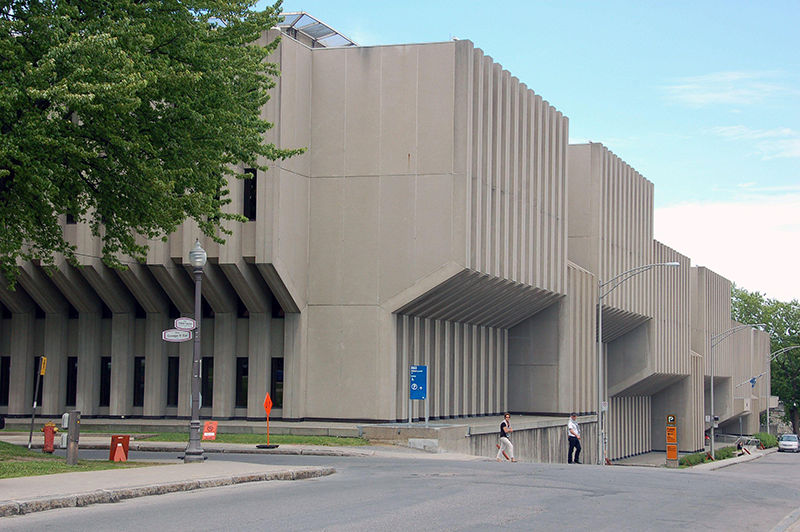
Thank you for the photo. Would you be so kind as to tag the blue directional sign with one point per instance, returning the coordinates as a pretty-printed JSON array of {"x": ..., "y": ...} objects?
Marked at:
[{"x": 419, "y": 382}]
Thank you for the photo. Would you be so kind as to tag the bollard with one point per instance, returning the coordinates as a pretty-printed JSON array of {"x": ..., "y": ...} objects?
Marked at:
[{"x": 74, "y": 436}]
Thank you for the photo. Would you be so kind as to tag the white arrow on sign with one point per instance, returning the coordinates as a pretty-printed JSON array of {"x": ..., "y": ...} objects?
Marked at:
[
  {"x": 186, "y": 324},
  {"x": 176, "y": 335}
]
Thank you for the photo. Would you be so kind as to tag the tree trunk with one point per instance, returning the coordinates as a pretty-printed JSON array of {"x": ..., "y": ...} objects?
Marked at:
[{"x": 795, "y": 420}]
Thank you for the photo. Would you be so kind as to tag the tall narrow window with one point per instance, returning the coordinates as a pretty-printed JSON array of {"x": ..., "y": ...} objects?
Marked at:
[
  {"x": 5, "y": 380},
  {"x": 36, "y": 369},
  {"x": 276, "y": 387},
  {"x": 207, "y": 382},
  {"x": 105, "y": 381},
  {"x": 72, "y": 381},
  {"x": 241, "y": 382},
  {"x": 138, "y": 381},
  {"x": 70, "y": 219},
  {"x": 249, "y": 196},
  {"x": 173, "y": 375}
]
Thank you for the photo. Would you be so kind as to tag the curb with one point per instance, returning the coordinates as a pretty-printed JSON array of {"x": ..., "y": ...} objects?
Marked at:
[
  {"x": 27, "y": 506},
  {"x": 145, "y": 447}
]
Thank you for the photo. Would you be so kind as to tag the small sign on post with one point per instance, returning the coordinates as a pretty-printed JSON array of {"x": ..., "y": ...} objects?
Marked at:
[
  {"x": 418, "y": 382},
  {"x": 672, "y": 440},
  {"x": 267, "y": 409},
  {"x": 176, "y": 335},
  {"x": 209, "y": 431}
]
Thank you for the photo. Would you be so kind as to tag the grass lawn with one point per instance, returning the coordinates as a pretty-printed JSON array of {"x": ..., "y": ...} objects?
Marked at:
[
  {"x": 255, "y": 439},
  {"x": 17, "y": 461}
]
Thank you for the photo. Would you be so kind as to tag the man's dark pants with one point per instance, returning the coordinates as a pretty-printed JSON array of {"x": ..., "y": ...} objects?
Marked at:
[{"x": 574, "y": 443}]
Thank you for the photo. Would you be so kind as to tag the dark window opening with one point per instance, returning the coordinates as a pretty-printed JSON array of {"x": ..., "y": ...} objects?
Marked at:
[
  {"x": 276, "y": 386},
  {"x": 173, "y": 376},
  {"x": 72, "y": 312},
  {"x": 5, "y": 380},
  {"x": 242, "y": 370},
  {"x": 207, "y": 311},
  {"x": 207, "y": 382},
  {"x": 39, "y": 312},
  {"x": 105, "y": 381},
  {"x": 71, "y": 219},
  {"x": 72, "y": 381},
  {"x": 36, "y": 370},
  {"x": 138, "y": 381},
  {"x": 173, "y": 311},
  {"x": 141, "y": 313},
  {"x": 107, "y": 314},
  {"x": 242, "y": 311},
  {"x": 277, "y": 310},
  {"x": 6, "y": 312},
  {"x": 249, "y": 197}
]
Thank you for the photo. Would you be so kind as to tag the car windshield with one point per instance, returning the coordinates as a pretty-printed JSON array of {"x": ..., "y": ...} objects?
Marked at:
[{"x": 788, "y": 437}]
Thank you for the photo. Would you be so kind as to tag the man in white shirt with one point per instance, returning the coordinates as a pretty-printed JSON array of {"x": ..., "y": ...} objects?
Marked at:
[{"x": 574, "y": 438}]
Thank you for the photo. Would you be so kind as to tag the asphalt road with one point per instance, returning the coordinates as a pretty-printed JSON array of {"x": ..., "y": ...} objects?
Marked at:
[{"x": 406, "y": 494}]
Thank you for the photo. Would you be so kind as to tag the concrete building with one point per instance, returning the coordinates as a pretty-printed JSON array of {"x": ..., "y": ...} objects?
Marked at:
[{"x": 439, "y": 217}]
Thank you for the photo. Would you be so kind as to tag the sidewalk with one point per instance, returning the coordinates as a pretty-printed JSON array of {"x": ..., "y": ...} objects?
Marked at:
[
  {"x": 658, "y": 459},
  {"x": 34, "y": 494}
]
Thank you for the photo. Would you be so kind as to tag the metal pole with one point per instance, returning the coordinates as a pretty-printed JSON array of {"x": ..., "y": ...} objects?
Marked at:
[
  {"x": 427, "y": 411},
  {"x": 35, "y": 398},
  {"x": 600, "y": 432},
  {"x": 74, "y": 428},
  {"x": 712, "y": 401},
  {"x": 194, "y": 453}
]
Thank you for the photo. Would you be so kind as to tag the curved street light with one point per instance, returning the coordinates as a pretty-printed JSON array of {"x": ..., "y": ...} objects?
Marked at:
[
  {"x": 773, "y": 356},
  {"x": 715, "y": 340},
  {"x": 603, "y": 289}
]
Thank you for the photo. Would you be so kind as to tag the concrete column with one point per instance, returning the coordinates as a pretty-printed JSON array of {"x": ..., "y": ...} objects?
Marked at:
[
  {"x": 224, "y": 365},
  {"x": 89, "y": 339},
  {"x": 56, "y": 338},
  {"x": 122, "y": 352},
  {"x": 260, "y": 360},
  {"x": 155, "y": 364},
  {"x": 295, "y": 360},
  {"x": 20, "y": 399}
]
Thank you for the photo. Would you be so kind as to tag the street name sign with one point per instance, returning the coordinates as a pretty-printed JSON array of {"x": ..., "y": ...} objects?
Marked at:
[
  {"x": 176, "y": 335},
  {"x": 185, "y": 324}
]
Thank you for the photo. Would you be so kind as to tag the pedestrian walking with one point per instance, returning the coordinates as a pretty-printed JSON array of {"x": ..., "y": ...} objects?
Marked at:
[
  {"x": 574, "y": 438},
  {"x": 505, "y": 447}
]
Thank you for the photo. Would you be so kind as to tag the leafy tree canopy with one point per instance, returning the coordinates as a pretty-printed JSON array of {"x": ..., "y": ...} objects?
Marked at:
[
  {"x": 127, "y": 115},
  {"x": 783, "y": 325}
]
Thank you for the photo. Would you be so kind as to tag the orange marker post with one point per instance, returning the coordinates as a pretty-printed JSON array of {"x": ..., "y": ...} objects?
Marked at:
[{"x": 267, "y": 409}]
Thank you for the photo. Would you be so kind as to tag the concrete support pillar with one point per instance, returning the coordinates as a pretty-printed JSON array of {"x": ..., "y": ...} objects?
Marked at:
[
  {"x": 122, "y": 354},
  {"x": 260, "y": 363},
  {"x": 224, "y": 365},
  {"x": 295, "y": 361},
  {"x": 155, "y": 364},
  {"x": 89, "y": 338},
  {"x": 20, "y": 399},
  {"x": 56, "y": 338}
]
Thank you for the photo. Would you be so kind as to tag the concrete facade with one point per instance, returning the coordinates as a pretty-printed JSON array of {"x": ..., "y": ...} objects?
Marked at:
[{"x": 438, "y": 217}]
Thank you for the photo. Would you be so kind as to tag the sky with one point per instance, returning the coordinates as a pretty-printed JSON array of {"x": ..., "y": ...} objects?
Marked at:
[{"x": 702, "y": 98}]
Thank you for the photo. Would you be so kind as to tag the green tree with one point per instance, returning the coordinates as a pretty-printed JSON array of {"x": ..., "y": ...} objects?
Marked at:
[
  {"x": 127, "y": 115},
  {"x": 783, "y": 325}
]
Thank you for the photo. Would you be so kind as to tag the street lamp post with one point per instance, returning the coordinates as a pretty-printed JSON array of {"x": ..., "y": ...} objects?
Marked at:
[
  {"x": 772, "y": 357},
  {"x": 715, "y": 340},
  {"x": 603, "y": 289},
  {"x": 194, "y": 453}
]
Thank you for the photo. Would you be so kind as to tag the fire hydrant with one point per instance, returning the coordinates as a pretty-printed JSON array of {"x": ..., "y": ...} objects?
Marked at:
[{"x": 49, "y": 430}]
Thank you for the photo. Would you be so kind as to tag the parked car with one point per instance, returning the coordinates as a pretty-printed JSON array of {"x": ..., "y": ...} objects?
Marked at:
[{"x": 788, "y": 443}]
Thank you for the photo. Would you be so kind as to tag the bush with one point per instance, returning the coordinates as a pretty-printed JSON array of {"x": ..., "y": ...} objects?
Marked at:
[
  {"x": 767, "y": 440},
  {"x": 725, "y": 452},
  {"x": 692, "y": 459}
]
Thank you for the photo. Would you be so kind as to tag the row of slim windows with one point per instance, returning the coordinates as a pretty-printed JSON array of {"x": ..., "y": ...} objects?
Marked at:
[
  {"x": 248, "y": 197},
  {"x": 173, "y": 373}
]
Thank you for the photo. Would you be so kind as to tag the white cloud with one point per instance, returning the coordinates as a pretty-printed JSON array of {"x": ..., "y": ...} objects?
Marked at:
[
  {"x": 772, "y": 143},
  {"x": 754, "y": 242},
  {"x": 727, "y": 88}
]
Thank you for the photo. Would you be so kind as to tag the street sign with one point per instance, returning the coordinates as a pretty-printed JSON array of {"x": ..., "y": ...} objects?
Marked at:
[
  {"x": 672, "y": 440},
  {"x": 185, "y": 324},
  {"x": 671, "y": 419},
  {"x": 176, "y": 335},
  {"x": 604, "y": 406},
  {"x": 419, "y": 382},
  {"x": 44, "y": 366},
  {"x": 267, "y": 405},
  {"x": 672, "y": 435}
]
